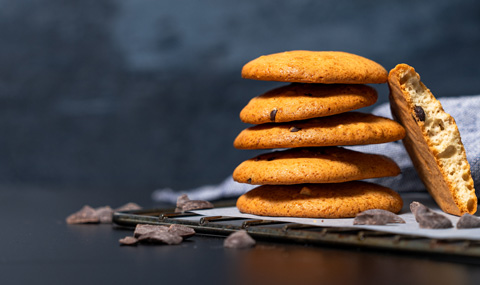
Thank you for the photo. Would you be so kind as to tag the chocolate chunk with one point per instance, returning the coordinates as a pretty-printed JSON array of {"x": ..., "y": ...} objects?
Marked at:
[
  {"x": 86, "y": 215},
  {"x": 160, "y": 237},
  {"x": 428, "y": 219},
  {"x": 273, "y": 113},
  {"x": 142, "y": 229},
  {"x": 185, "y": 204},
  {"x": 128, "y": 240},
  {"x": 104, "y": 214},
  {"x": 249, "y": 180},
  {"x": 239, "y": 239},
  {"x": 181, "y": 230},
  {"x": 468, "y": 221},
  {"x": 128, "y": 207},
  {"x": 294, "y": 129},
  {"x": 376, "y": 217},
  {"x": 419, "y": 113}
]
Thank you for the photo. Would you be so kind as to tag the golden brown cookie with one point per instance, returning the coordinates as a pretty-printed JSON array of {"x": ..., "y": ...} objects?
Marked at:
[
  {"x": 338, "y": 200},
  {"x": 433, "y": 142},
  {"x": 313, "y": 165},
  {"x": 315, "y": 67},
  {"x": 305, "y": 101},
  {"x": 351, "y": 128}
]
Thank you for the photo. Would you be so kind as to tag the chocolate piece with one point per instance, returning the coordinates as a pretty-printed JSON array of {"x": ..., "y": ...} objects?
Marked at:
[
  {"x": 294, "y": 129},
  {"x": 239, "y": 239},
  {"x": 181, "y": 230},
  {"x": 273, "y": 113},
  {"x": 185, "y": 204},
  {"x": 468, "y": 221},
  {"x": 377, "y": 217},
  {"x": 104, "y": 214},
  {"x": 128, "y": 207},
  {"x": 142, "y": 229},
  {"x": 427, "y": 219},
  {"x": 128, "y": 240},
  {"x": 160, "y": 237},
  {"x": 86, "y": 215},
  {"x": 249, "y": 180},
  {"x": 419, "y": 113}
]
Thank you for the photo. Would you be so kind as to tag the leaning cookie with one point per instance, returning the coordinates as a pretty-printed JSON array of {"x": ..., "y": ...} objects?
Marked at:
[
  {"x": 313, "y": 165},
  {"x": 305, "y": 101},
  {"x": 351, "y": 128},
  {"x": 315, "y": 67},
  {"x": 433, "y": 142},
  {"x": 340, "y": 200}
]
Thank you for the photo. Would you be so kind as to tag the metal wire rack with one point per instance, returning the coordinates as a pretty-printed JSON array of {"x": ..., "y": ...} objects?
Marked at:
[{"x": 275, "y": 231}]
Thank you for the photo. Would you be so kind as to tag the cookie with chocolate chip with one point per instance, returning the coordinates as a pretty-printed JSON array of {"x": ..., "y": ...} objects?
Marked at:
[
  {"x": 305, "y": 101},
  {"x": 351, "y": 128},
  {"x": 315, "y": 67},
  {"x": 313, "y": 165},
  {"x": 432, "y": 141},
  {"x": 338, "y": 200}
]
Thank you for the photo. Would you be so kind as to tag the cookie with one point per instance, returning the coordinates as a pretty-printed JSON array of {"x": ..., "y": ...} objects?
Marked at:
[
  {"x": 433, "y": 142},
  {"x": 315, "y": 67},
  {"x": 339, "y": 200},
  {"x": 313, "y": 165},
  {"x": 305, "y": 101},
  {"x": 351, "y": 128}
]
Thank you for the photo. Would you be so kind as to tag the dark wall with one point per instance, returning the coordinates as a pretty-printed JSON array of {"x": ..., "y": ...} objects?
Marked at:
[{"x": 138, "y": 95}]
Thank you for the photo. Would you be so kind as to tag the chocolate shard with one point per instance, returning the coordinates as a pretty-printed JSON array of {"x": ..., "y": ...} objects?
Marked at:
[
  {"x": 181, "y": 230},
  {"x": 160, "y": 237},
  {"x": 128, "y": 240},
  {"x": 185, "y": 204},
  {"x": 239, "y": 239},
  {"x": 128, "y": 207},
  {"x": 294, "y": 129},
  {"x": 428, "y": 219},
  {"x": 86, "y": 215},
  {"x": 468, "y": 221},
  {"x": 104, "y": 214},
  {"x": 142, "y": 229},
  {"x": 377, "y": 217}
]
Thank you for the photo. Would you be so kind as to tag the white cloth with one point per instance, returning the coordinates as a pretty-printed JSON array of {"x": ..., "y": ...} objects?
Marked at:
[{"x": 465, "y": 110}]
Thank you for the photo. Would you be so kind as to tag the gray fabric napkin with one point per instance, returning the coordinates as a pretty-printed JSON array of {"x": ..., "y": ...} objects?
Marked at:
[{"x": 465, "y": 110}]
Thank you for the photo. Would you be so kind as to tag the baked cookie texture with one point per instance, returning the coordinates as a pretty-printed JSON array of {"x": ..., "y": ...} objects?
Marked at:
[
  {"x": 341, "y": 200},
  {"x": 299, "y": 101},
  {"x": 432, "y": 141},
  {"x": 351, "y": 128},
  {"x": 325, "y": 67},
  {"x": 313, "y": 165}
]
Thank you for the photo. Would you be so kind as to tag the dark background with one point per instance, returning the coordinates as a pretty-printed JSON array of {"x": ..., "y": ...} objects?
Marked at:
[{"x": 135, "y": 95}]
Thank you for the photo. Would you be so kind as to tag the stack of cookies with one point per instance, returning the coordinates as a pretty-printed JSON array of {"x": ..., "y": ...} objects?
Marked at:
[{"x": 309, "y": 120}]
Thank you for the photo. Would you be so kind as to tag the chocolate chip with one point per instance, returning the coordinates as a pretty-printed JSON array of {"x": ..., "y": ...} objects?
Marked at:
[
  {"x": 271, "y": 158},
  {"x": 294, "y": 129},
  {"x": 419, "y": 113},
  {"x": 468, "y": 221},
  {"x": 160, "y": 237},
  {"x": 239, "y": 239},
  {"x": 128, "y": 240},
  {"x": 377, "y": 217},
  {"x": 427, "y": 219},
  {"x": 273, "y": 114},
  {"x": 86, "y": 215},
  {"x": 249, "y": 180},
  {"x": 181, "y": 230}
]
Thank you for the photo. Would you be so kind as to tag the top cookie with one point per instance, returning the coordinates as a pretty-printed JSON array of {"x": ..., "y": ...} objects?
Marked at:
[
  {"x": 432, "y": 141},
  {"x": 305, "y": 101},
  {"x": 315, "y": 67}
]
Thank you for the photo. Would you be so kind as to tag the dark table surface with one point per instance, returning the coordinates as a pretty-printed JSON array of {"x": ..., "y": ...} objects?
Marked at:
[{"x": 38, "y": 247}]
